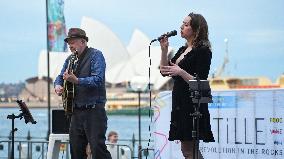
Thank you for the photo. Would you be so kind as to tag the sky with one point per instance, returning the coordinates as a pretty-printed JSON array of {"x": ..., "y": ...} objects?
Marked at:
[{"x": 254, "y": 29}]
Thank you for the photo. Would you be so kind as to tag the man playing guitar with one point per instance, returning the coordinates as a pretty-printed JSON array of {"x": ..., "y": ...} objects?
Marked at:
[{"x": 87, "y": 77}]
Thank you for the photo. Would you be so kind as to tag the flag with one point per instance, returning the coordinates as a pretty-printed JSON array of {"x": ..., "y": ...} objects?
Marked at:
[{"x": 56, "y": 26}]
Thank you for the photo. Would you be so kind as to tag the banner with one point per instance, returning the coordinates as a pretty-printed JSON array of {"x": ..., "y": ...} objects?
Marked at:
[
  {"x": 245, "y": 124},
  {"x": 56, "y": 26}
]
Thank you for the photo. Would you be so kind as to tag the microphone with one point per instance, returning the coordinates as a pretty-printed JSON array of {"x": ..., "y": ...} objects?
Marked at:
[{"x": 168, "y": 34}]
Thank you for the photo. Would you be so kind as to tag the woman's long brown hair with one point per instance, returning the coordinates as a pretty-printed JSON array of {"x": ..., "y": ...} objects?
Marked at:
[{"x": 200, "y": 30}]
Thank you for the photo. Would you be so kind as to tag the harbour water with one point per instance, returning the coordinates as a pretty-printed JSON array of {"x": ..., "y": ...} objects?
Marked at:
[{"x": 125, "y": 125}]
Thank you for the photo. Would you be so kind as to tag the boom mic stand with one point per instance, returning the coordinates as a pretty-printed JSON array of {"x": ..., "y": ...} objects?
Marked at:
[
  {"x": 28, "y": 118},
  {"x": 200, "y": 92}
]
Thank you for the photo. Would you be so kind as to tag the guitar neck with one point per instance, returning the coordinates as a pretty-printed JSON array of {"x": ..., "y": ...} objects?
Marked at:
[{"x": 71, "y": 63}]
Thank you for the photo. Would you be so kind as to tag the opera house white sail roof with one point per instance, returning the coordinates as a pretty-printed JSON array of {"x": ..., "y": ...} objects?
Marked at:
[{"x": 124, "y": 63}]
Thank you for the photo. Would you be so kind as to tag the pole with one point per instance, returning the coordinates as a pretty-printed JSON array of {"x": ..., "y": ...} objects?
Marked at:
[
  {"x": 13, "y": 136},
  {"x": 48, "y": 76},
  {"x": 226, "y": 41},
  {"x": 139, "y": 125}
]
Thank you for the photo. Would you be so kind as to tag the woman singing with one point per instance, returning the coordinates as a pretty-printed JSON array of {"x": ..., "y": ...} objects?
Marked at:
[{"x": 191, "y": 60}]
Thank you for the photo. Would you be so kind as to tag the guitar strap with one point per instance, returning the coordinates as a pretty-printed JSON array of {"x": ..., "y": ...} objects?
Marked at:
[{"x": 79, "y": 63}]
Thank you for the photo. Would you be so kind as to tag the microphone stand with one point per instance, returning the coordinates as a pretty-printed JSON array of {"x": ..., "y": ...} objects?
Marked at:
[
  {"x": 13, "y": 117},
  {"x": 150, "y": 96},
  {"x": 24, "y": 114}
]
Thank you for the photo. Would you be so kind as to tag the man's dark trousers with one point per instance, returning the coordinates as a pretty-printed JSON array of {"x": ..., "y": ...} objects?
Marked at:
[{"x": 88, "y": 125}]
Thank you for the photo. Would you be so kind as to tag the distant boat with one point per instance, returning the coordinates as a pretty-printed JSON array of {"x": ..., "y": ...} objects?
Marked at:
[{"x": 225, "y": 83}]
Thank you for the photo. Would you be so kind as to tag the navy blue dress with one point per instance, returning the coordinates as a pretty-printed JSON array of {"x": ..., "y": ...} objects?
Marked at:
[{"x": 197, "y": 61}]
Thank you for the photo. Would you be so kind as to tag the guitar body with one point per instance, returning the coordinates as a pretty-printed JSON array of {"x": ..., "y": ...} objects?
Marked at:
[{"x": 69, "y": 89}]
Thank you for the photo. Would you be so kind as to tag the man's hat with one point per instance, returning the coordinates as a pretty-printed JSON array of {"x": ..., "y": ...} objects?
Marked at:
[{"x": 76, "y": 33}]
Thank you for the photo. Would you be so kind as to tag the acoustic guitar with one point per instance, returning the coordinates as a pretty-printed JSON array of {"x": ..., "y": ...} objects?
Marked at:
[{"x": 69, "y": 88}]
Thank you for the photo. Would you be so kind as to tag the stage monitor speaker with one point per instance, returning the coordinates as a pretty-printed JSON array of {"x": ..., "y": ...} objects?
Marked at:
[{"x": 60, "y": 124}]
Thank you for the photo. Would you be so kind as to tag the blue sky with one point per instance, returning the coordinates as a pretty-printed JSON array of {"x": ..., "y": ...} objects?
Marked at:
[{"x": 255, "y": 30}]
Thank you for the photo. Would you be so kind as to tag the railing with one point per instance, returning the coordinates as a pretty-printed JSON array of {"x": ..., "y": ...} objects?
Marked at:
[
  {"x": 146, "y": 153},
  {"x": 31, "y": 149},
  {"x": 25, "y": 149}
]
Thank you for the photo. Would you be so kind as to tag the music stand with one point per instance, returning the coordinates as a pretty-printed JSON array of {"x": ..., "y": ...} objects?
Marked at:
[
  {"x": 200, "y": 92},
  {"x": 27, "y": 116}
]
